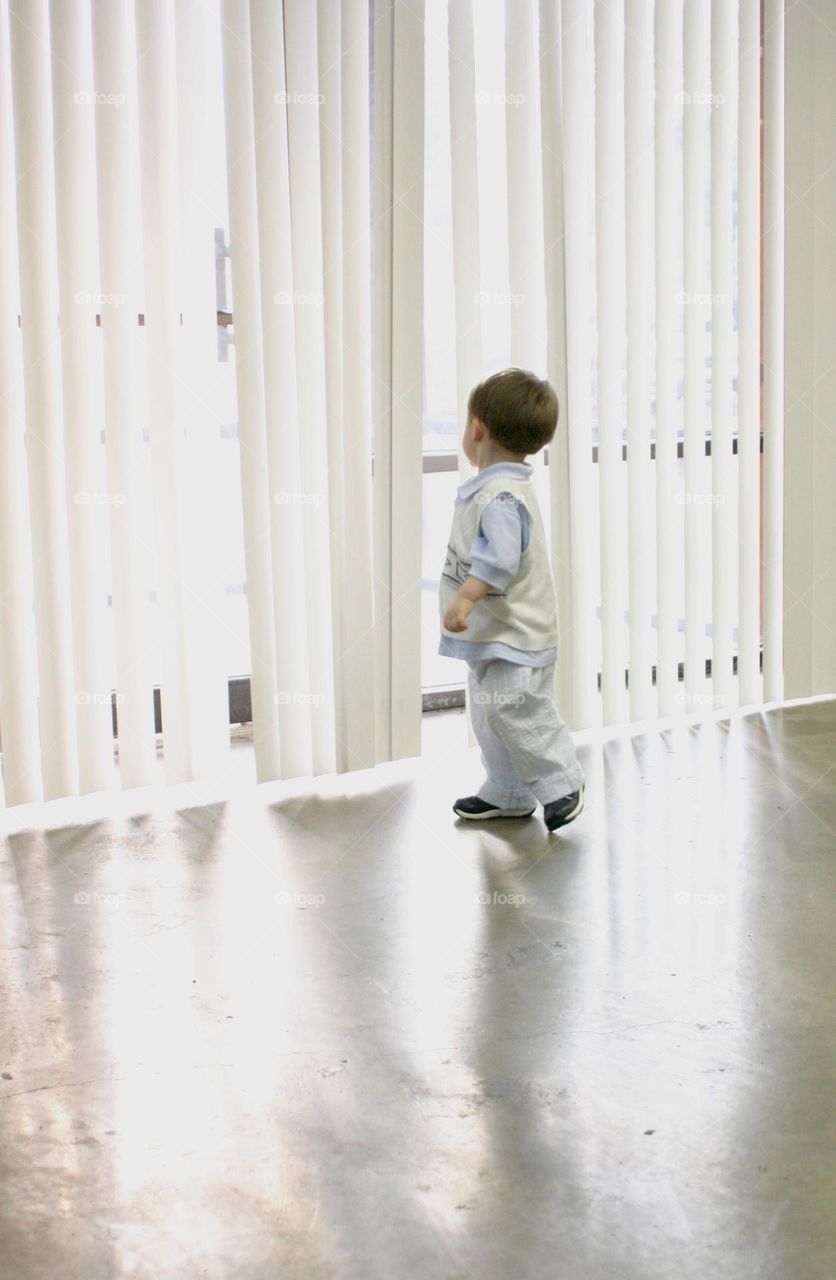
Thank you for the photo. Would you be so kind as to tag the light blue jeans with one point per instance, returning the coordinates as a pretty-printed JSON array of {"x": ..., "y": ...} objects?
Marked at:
[{"x": 527, "y": 750}]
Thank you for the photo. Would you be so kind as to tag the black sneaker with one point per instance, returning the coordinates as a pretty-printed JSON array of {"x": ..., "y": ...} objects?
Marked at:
[
  {"x": 558, "y": 812},
  {"x": 473, "y": 807}
]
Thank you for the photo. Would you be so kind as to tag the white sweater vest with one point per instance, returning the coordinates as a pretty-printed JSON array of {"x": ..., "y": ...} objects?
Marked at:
[{"x": 525, "y": 614}]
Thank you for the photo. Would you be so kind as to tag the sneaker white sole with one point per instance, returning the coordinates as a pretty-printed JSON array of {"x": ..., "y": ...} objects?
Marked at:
[
  {"x": 577, "y": 809},
  {"x": 570, "y": 817},
  {"x": 495, "y": 813}
]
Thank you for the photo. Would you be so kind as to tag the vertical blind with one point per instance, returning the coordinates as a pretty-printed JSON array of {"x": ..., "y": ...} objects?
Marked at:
[
  {"x": 108, "y": 556},
  {"x": 641, "y": 270},
  {"x": 666, "y": 475}
]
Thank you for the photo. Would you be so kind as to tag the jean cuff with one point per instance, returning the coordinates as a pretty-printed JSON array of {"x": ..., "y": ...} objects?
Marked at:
[
  {"x": 560, "y": 785},
  {"x": 506, "y": 797}
]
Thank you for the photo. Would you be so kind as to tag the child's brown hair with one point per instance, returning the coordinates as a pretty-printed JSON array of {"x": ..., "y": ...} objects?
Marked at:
[{"x": 519, "y": 409}]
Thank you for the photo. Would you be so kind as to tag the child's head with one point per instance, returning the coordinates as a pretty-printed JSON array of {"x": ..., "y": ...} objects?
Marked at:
[{"x": 518, "y": 410}]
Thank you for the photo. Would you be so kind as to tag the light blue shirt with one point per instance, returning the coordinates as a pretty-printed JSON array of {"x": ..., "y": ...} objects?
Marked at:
[{"x": 501, "y": 539}]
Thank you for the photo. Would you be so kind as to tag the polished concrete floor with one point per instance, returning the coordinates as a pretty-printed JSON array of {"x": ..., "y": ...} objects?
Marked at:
[{"x": 322, "y": 1029}]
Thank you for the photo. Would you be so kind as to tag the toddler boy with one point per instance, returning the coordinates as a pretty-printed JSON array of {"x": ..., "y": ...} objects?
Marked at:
[{"x": 498, "y": 608}]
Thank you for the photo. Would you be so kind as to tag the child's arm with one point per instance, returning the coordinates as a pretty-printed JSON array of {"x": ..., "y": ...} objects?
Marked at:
[
  {"x": 470, "y": 593},
  {"x": 495, "y": 553}
]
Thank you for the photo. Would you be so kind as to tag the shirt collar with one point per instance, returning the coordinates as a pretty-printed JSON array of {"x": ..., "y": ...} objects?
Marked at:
[{"x": 515, "y": 470}]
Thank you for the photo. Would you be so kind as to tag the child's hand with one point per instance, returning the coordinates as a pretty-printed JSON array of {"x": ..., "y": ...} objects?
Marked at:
[{"x": 455, "y": 619}]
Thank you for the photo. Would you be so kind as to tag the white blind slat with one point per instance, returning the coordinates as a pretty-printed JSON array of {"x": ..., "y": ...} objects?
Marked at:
[
  {"x": 344, "y": 141},
  {"x": 204, "y": 610},
  {"x": 81, "y": 368},
  {"x": 465, "y": 205},
  {"x": 202, "y": 535},
  {"x": 464, "y": 174},
  {"x": 39, "y": 299},
  {"x": 382, "y": 363},
  {"x": 120, "y": 256},
  {"x": 329, "y": 83},
  {"x": 638, "y": 97},
  {"x": 749, "y": 322},
  {"x": 249, "y": 367},
  {"x": 157, "y": 82},
  {"x": 610, "y": 268},
  {"x": 280, "y": 384},
  {"x": 18, "y": 669},
  {"x": 773, "y": 457},
  {"x": 576, "y": 52},
  {"x": 551, "y": 110},
  {"x": 524, "y": 190},
  {"x": 723, "y": 510},
  {"x": 407, "y": 195},
  {"x": 696, "y": 290},
  {"x": 669, "y": 551},
  {"x": 359, "y": 677},
  {"x": 306, "y": 213}
]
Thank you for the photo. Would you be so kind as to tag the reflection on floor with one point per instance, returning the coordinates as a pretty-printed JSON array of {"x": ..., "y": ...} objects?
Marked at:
[{"x": 321, "y": 1029}]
